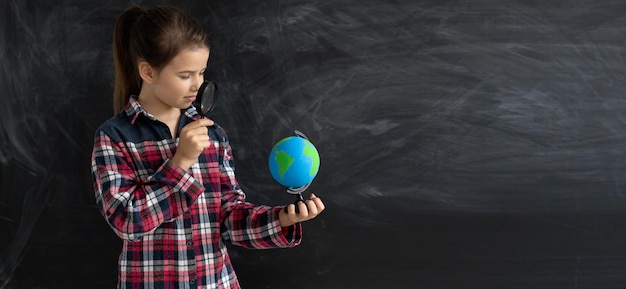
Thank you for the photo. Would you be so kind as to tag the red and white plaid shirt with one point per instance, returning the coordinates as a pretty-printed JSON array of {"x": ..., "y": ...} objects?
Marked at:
[{"x": 174, "y": 222}]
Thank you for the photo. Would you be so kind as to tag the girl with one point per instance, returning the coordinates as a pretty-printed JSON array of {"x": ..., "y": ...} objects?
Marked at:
[{"x": 164, "y": 176}]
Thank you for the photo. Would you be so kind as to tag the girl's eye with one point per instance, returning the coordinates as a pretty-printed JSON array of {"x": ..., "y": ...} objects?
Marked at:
[{"x": 185, "y": 76}]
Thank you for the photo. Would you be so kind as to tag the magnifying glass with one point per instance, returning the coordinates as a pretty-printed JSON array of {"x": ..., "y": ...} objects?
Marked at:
[{"x": 206, "y": 98}]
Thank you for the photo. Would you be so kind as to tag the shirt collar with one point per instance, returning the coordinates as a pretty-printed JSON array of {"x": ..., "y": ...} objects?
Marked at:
[{"x": 134, "y": 110}]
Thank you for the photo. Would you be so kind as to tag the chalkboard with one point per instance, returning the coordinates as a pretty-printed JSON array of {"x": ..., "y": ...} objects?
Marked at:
[{"x": 463, "y": 144}]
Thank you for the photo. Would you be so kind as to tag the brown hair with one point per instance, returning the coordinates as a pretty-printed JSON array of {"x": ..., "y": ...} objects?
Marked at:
[{"x": 155, "y": 35}]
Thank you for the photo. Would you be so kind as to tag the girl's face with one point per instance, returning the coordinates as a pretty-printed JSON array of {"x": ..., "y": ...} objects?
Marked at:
[{"x": 176, "y": 85}]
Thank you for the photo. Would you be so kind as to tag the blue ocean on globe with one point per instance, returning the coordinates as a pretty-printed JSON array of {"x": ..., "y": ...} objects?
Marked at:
[{"x": 294, "y": 162}]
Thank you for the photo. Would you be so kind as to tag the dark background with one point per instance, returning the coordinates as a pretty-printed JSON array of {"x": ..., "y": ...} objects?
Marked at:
[{"x": 464, "y": 144}]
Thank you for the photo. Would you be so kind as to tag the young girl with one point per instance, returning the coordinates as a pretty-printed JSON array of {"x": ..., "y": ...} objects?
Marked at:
[{"x": 164, "y": 176}]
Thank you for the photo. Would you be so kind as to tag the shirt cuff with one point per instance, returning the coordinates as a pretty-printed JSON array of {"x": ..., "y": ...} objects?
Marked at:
[{"x": 292, "y": 235}]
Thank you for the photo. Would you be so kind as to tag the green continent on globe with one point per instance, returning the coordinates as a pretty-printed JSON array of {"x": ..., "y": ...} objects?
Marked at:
[
  {"x": 284, "y": 161},
  {"x": 311, "y": 152}
]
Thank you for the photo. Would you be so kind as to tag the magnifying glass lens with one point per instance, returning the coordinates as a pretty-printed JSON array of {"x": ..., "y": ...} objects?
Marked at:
[{"x": 206, "y": 98}]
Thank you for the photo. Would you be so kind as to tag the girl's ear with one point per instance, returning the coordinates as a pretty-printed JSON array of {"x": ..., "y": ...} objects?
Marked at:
[{"x": 146, "y": 72}]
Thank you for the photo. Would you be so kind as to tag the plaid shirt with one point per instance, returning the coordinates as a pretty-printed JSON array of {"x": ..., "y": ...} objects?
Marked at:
[{"x": 174, "y": 222}]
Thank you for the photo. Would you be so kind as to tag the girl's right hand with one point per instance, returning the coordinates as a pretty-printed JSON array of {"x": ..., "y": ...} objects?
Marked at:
[{"x": 193, "y": 140}]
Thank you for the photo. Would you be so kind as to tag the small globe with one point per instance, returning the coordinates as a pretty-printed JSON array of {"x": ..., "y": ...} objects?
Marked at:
[{"x": 294, "y": 162}]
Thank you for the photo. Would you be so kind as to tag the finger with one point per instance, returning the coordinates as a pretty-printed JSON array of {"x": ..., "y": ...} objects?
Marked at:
[
  {"x": 189, "y": 132},
  {"x": 312, "y": 208},
  {"x": 198, "y": 131},
  {"x": 203, "y": 122},
  {"x": 291, "y": 210},
  {"x": 304, "y": 211},
  {"x": 319, "y": 204},
  {"x": 199, "y": 138},
  {"x": 201, "y": 130}
]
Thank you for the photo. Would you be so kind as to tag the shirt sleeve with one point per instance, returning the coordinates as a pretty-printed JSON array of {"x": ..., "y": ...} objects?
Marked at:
[
  {"x": 133, "y": 208},
  {"x": 248, "y": 225}
]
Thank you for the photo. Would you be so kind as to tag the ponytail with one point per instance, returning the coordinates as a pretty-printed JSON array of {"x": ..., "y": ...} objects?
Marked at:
[{"x": 127, "y": 81}]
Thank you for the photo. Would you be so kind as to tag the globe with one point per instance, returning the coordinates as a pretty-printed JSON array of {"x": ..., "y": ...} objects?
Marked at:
[{"x": 294, "y": 162}]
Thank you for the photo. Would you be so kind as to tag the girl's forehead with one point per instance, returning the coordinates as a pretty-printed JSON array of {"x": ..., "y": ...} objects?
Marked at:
[{"x": 190, "y": 59}]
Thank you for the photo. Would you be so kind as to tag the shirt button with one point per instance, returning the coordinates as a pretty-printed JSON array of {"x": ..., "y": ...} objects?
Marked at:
[
  {"x": 192, "y": 281},
  {"x": 189, "y": 244}
]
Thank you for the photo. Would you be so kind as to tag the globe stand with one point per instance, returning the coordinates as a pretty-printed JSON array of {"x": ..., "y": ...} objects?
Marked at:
[{"x": 298, "y": 191}]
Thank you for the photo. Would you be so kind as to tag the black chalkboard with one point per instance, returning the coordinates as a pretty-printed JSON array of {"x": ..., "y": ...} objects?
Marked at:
[{"x": 464, "y": 144}]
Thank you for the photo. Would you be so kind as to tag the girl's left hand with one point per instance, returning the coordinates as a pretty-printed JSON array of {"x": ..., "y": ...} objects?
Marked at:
[{"x": 307, "y": 210}]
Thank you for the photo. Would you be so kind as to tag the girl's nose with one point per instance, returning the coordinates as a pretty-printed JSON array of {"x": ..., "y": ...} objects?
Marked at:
[{"x": 197, "y": 83}]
